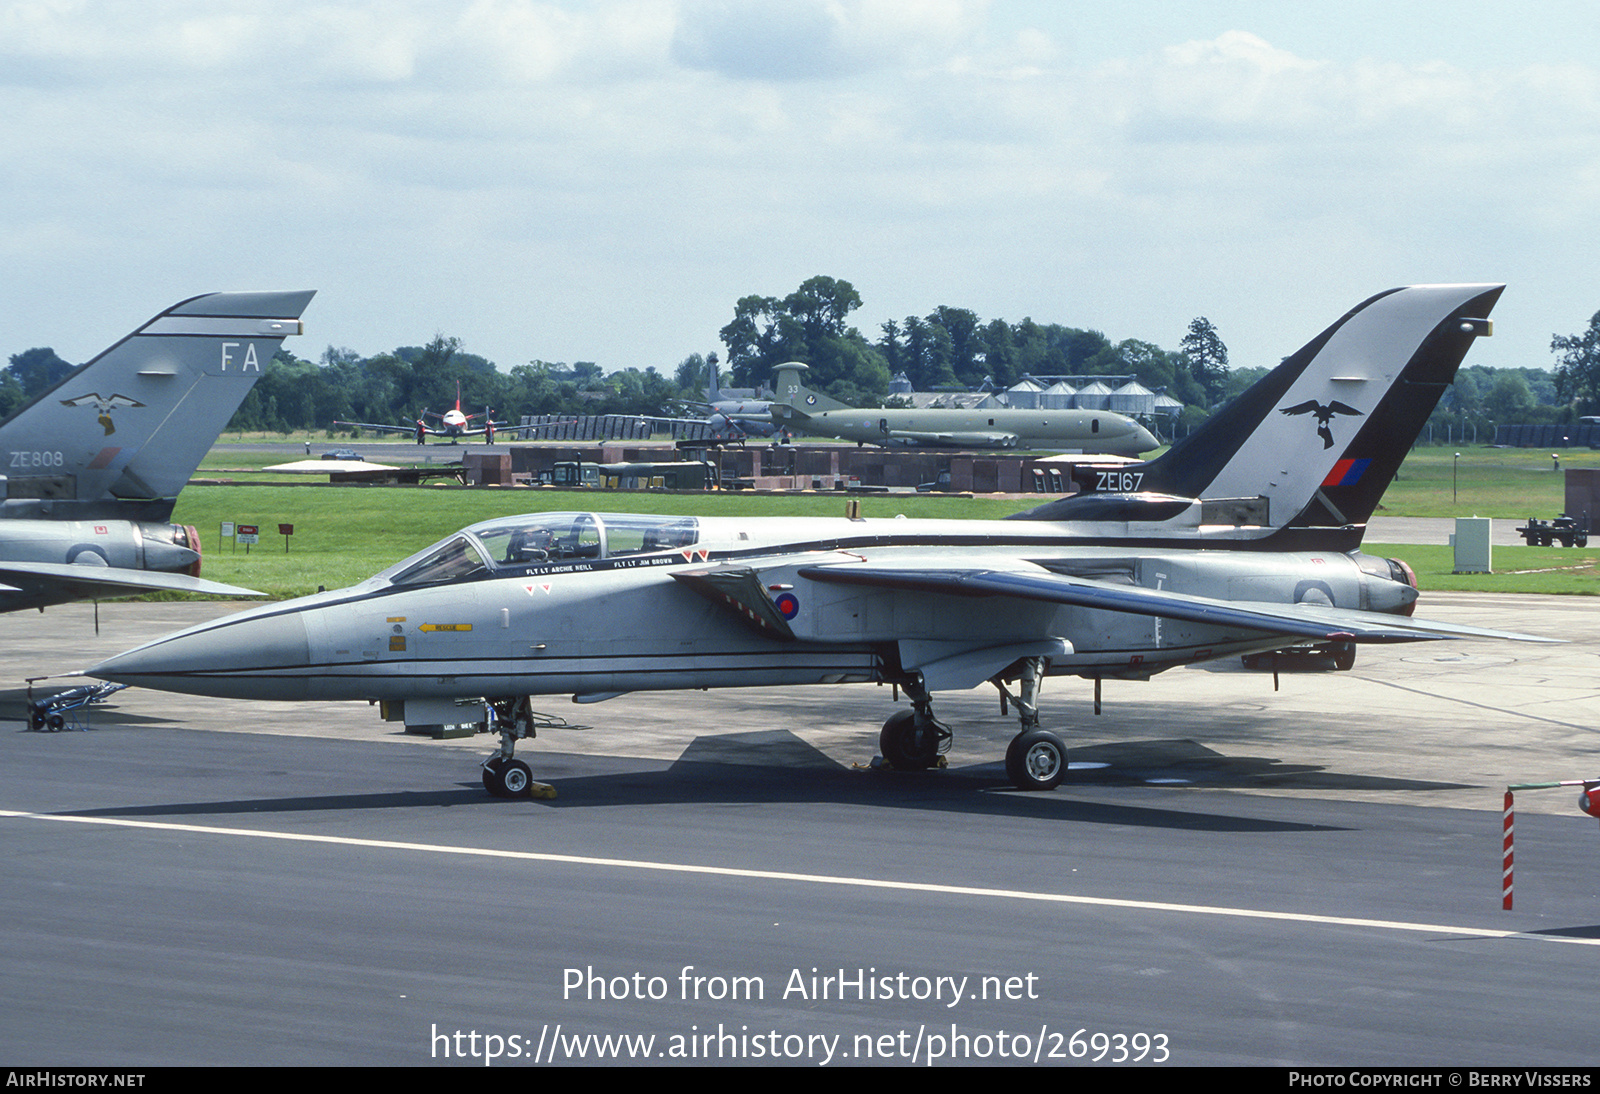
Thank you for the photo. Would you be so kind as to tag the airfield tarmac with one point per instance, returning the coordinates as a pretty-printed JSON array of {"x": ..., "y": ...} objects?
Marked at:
[{"x": 1302, "y": 876}]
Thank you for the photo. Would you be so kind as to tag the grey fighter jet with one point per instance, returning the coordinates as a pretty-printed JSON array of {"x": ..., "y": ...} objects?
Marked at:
[
  {"x": 91, "y": 469},
  {"x": 1242, "y": 539}
]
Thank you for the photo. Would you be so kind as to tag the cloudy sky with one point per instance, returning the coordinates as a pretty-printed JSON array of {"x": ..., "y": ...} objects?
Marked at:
[{"x": 602, "y": 181}]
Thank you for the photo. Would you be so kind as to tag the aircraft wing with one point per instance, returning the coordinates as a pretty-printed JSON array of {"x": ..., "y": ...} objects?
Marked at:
[
  {"x": 384, "y": 428},
  {"x": 1303, "y": 622},
  {"x": 86, "y": 582},
  {"x": 975, "y": 439}
]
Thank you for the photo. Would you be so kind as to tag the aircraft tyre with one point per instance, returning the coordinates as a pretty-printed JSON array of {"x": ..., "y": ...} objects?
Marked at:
[
  {"x": 1036, "y": 760},
  {"x": 507, "y": 778},
  {"x": 904, "y": 746},
  {"x": 1344, "y": 656}
]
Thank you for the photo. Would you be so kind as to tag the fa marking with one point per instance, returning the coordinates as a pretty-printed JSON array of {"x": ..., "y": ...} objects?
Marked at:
[{"x": 249, "y": 362}]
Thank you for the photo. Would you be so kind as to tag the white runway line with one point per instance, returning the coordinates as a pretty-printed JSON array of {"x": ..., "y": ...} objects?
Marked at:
[{"x": 812, "y": 879}]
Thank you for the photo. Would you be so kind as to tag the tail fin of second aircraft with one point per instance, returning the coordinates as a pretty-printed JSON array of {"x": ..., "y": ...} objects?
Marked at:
[
  {"x": 1321, "y": 436},
  {"x": 122, "y": 434},
  {"x": 793, "y": 400}
]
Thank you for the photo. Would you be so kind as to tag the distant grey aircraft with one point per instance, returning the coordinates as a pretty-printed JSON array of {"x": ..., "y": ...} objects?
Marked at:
[
  {"x": 728, "y": 416},
  {"x": 93, "y": 466},
  {"x": 803, "y": 410},
  {"x": 1242, "y": 538}
]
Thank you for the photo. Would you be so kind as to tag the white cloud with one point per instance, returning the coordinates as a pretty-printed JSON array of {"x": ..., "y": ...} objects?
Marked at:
[
  {"x": 603, "y": 180},
  {"x": 819, "y": 39}
]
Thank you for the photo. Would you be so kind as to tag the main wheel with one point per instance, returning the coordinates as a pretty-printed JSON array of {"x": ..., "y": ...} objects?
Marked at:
[
  {"x": 1036, "y": 760},
  {"x": 1344, "y": 656},
  {"x": 507, "y": 778},
  {"x": 905, "y": 746}
]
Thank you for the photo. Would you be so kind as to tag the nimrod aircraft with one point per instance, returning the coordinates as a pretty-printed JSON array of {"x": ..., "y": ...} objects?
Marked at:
[
  {"x": 93, "y": 466},
  {"x": 802, "y": 410},
  {"x": 1241, "y": 539}
]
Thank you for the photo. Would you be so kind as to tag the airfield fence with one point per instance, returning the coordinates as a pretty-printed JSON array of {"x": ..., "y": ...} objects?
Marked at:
[
  {"x": 1571, "y": 435},
  {"x": 606, "y": 427}
]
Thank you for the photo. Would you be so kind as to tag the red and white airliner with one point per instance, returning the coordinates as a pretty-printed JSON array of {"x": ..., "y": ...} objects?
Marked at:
[{"x": 452, "y": 424}]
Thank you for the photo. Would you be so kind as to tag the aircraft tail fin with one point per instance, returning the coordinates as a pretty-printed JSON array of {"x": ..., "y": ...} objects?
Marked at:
[
  {"x": 123, "y": 433},
  {"x": 793, "y": 399},
  {"x": 1321, "y": 436}
]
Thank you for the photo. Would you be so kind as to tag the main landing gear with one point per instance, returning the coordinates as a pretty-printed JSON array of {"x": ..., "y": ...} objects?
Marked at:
[
  {"x": 504, "y": 775},
  {"x": 1036, "y": 759},
  {"x": 913, "y": 740}
]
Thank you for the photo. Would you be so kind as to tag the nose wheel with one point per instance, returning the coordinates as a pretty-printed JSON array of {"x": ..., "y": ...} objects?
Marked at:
[
  {"x": 506, "y": 778},
  {"x": 911, "y": 740},
  {"x": 908, "y": 746}
]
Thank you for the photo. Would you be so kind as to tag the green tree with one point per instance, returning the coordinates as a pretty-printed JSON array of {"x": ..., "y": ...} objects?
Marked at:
[
  {"x": 11, "y": 394},
  {"x": 811, "y": 325},
  {"x": 1509, "y": 399},
  {"x": 693, "y": 375},
  {"x": 38, "y": 370},
  {"x": 965, "y": 338},
  {"x": 1578, "y": 369},
  {"x": 1207, "y": 357}
]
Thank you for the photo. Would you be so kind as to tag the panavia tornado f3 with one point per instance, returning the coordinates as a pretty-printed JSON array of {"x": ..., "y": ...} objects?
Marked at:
[
  {"x": 1243, "y": 538},
  {"x": 90, "y": 469}
]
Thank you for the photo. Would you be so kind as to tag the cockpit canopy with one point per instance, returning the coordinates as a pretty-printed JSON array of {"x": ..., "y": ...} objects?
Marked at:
[{"x": 511, "y": 544}]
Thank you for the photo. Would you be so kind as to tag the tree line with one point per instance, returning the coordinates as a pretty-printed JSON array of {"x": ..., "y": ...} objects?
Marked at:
[{"x": 949, "y": 348}]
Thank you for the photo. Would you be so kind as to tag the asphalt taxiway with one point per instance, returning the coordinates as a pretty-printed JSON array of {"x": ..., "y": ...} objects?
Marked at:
[{"x": 1233, "y": 874}]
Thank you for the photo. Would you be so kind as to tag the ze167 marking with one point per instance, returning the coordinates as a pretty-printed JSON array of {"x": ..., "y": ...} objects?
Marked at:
[{"x": 1119, "y": 482}]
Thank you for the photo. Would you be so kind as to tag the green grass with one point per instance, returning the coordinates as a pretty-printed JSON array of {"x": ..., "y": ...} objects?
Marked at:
[
  {"x": 1553, "y": 570},
  {"x": 344, "y": 534},
  {"x": 1504, "y": 483}
]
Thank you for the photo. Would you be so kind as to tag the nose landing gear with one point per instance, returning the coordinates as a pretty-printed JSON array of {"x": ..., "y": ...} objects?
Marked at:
[{"x": 504, "y": 775}]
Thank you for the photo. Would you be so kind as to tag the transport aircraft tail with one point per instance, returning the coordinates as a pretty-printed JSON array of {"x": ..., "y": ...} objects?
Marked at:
[{"x": 793, "y": 401}]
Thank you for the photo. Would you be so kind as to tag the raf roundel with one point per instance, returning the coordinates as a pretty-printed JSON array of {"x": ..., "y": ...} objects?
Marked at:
[{"x": 788, "y": 605}]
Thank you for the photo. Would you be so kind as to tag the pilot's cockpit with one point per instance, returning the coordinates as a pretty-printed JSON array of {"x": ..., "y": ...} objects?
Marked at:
[{"x": 537, "y": 539}]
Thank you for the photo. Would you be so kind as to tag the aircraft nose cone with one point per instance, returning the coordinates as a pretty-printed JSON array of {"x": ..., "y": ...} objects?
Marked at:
[
  {"x": 259, "y": 657},
  {"x": 1145, "y": 440}
]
